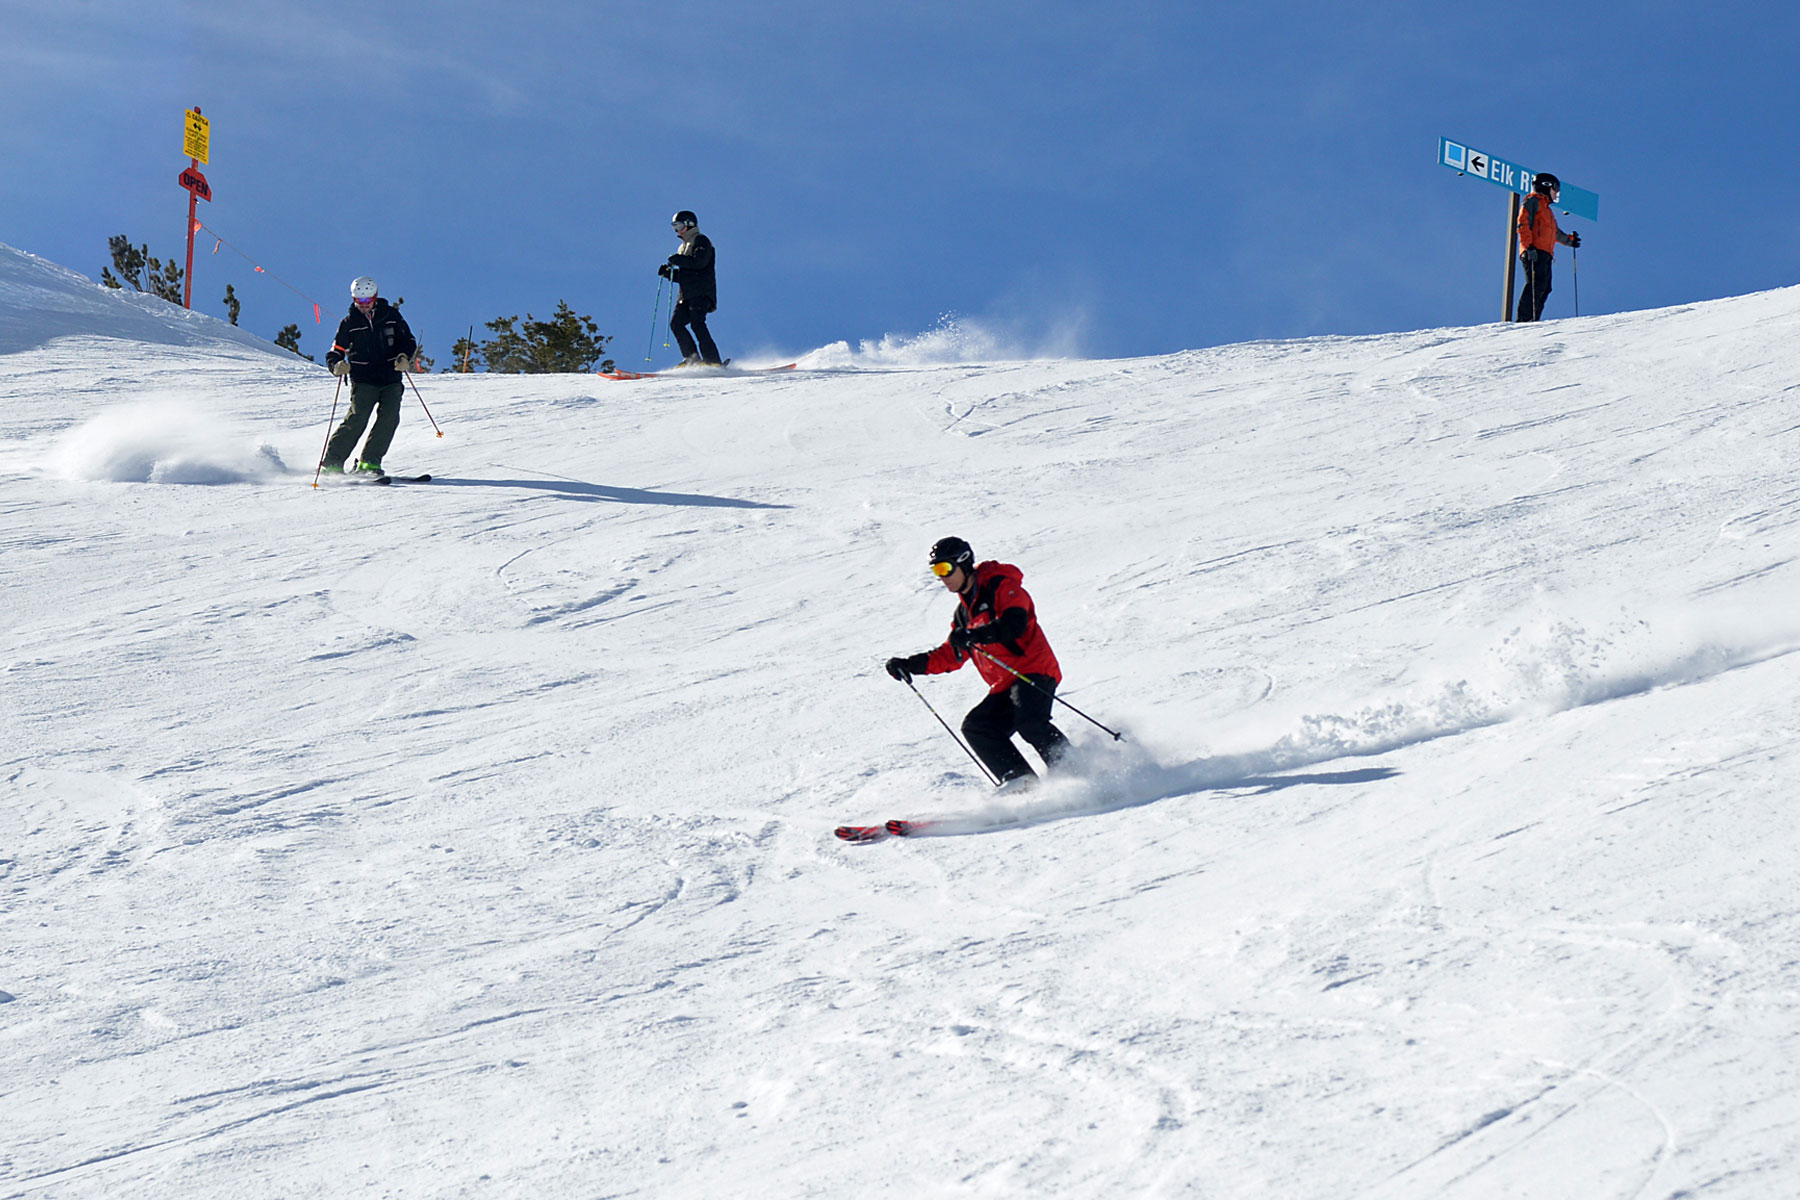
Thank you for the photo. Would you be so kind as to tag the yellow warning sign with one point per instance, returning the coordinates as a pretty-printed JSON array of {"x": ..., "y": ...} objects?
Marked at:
[{"x": 199, "y": 135}]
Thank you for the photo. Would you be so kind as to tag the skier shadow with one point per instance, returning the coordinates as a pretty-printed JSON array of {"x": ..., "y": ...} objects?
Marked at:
[
  {"x": 1264, "y": 784},
  {"x": 1192, "y": 780},
  {"x": 575, "y": 489},
  {"x": 1200, "y": 779}
]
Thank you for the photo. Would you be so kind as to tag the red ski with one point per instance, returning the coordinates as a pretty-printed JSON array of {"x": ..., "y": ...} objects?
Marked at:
[{"x": 858, "y": 835}]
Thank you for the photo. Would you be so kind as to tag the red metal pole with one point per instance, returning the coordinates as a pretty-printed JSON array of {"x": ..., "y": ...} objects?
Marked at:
[{"x": 187, "y": 291}]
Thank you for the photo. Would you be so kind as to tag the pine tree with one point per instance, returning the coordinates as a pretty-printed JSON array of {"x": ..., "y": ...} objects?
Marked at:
[
  {"x": 128, "y": 259},
  {"x": 232, "y": 304},
  {"x": 564, "y": 343},
  {"x": 465, "y": 356},
  {"x": 143, "y": 272},
  {"x": 168, "y": 284},
  {"x": 289, "y": 339}
]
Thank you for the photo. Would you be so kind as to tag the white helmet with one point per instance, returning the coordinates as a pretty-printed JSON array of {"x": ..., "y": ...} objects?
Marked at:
[{"x": 363, "y": 288}]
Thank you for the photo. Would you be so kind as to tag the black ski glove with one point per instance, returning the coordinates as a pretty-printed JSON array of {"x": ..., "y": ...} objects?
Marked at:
[
  {"x": 666, "y": 271},
  {"x": 904, "y": 669},
  {"x": 1009, "y": 628},
  {"x": 1574, "y": 241}
]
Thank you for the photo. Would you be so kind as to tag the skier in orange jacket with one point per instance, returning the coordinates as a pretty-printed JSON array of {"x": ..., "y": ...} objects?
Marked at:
[{"x": 1538, "y": 238}]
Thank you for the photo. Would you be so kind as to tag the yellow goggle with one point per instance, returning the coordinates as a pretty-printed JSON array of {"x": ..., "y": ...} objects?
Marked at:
[{"x": 942, "y": 569}]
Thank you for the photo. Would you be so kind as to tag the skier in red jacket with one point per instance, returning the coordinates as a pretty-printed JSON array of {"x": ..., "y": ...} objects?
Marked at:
[
  {"x": 1538, "y": 239},
  {"x": 995, "y": 614}
]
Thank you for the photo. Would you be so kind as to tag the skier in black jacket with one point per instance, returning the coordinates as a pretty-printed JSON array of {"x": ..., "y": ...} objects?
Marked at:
[
  {"x": 691, "y": 267},
  {"x": 375, "y": 349}
]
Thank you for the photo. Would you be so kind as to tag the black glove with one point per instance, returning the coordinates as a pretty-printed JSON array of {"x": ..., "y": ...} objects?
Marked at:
[
  {"x": 665, "y": 271},
  {"x": 904, "y": 669},
  {"x": 962, "y": 639},
  {"x": 1574, "y": 241}
]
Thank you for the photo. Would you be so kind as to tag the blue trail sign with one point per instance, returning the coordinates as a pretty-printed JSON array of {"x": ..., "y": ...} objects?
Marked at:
[{"x": 1466, "y": 160}]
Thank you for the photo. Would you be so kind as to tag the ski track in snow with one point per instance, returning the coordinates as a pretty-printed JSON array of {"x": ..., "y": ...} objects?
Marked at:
[{"x": 473, "y": 838}]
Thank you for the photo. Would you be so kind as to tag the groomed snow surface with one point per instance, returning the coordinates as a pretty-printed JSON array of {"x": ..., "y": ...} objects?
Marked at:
[{"x": 474, "y": 838}]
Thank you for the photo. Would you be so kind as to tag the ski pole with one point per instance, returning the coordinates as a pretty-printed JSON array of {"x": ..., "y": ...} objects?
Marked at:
[
  {"x": 422, "y": 404},
  {"x": 989, "y": 775},
  {"x": 655, "y": 312},
  {"x": 328, "y": 425},
  {"x": 1117, "y": 736},
  {"x": 1575, "y": 274}
]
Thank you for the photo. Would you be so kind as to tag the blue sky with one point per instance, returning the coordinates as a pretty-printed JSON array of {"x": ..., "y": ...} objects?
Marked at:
[{"x": 1134, "y": 180}]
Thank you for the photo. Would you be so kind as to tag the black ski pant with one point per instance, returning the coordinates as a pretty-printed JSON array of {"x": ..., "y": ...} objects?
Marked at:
[
  {"x": 1536, "y": 266},
  {"x": 1021, "y": 709},
  {"x": 366, "y": 399},
  {"x": 694, "y": 314}
]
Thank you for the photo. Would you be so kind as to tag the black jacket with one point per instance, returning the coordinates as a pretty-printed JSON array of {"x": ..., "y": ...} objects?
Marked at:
[
  {"x": 371, "y": 344},
  {"x": 692, "y": 268}
]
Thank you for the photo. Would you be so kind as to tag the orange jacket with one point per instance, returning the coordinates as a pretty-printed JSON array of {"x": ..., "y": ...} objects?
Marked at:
[{"x": 1537, "y": 225}]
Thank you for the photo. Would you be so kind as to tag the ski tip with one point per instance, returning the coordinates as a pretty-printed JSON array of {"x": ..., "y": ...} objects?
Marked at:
[{"x": 899, "y": 828}]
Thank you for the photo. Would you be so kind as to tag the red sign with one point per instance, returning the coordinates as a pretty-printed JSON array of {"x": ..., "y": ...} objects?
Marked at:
[{"x": 195, "y": 182}]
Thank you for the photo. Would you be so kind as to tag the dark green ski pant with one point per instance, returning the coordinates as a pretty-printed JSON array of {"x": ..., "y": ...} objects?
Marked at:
[{"x": 381, "y": 400}]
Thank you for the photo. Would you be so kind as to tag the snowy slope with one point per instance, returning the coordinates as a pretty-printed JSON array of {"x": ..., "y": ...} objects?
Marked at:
[
  {"x": 474, "y": 838},
  {"x": 41, "y": 302}
]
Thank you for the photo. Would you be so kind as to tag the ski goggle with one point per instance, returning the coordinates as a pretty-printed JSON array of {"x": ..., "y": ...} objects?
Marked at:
[
  {"x": 942, "y": 569},
  {"x": 680, "y": 225}
]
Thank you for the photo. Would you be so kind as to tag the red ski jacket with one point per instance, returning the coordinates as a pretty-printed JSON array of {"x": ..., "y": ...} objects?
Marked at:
[
  {"x": 1537, "y": 225},
  {"x": 1000, "y": 608}
]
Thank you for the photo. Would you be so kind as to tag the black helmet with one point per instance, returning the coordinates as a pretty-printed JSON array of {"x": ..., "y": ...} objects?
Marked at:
[
  {"x": 1546, "y": 183},
  {"x": 684, "y": 217},
  {"x": 952, "y": 550}
]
